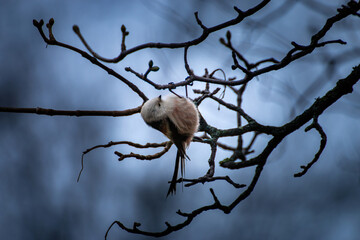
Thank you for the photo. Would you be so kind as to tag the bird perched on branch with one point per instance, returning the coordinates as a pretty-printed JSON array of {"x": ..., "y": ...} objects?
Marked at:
[{"x": 178, "y": 119}]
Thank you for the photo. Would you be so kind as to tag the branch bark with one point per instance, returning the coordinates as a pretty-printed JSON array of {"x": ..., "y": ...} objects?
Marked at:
[{"x": 76, "y": 113}]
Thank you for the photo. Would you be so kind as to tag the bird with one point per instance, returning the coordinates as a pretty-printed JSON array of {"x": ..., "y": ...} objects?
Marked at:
[{"x": 178, "y": 119}]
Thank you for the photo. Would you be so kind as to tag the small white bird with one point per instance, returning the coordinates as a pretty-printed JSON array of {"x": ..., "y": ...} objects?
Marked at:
[{"x": 178, "y": 119}]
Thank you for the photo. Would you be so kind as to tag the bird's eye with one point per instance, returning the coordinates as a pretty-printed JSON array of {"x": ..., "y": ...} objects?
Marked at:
[{"x": 159, "y": 104}]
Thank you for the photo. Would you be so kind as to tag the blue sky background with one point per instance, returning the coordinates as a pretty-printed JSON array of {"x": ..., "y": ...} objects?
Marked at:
[{"x": 40, "y": 155}]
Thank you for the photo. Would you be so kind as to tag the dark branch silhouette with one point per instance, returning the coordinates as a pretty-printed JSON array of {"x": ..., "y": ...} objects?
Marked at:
[
  {"x": 239, "y": 155},
  {"x": 206, "y": 32},
  {"x": 77, "y": 113},
  {"x": 165, "y": 145}
]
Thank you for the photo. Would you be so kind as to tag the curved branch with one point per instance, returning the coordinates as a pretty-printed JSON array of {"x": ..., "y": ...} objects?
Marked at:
[
  {"x": 166, "y": 146},
  {"x": 323, "y": 141},
  {"x": 343, "y": 86},
  {"x": 145, "y": 157},
  {"x": 298, "y": 51},
  {"x": 206, "y": 32},
  {"x": 190, "y": 216},
  {"x": 52, "y": 41}
]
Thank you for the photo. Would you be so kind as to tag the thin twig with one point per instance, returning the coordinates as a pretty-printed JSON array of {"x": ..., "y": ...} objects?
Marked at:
[
  {"x": 234, "y": 108},
  {"x": 144, "y": 157},
  {"x": 111, "y": 143},
  {"x": 319, "y": 129},
  {"x": 210, "y": 179}
]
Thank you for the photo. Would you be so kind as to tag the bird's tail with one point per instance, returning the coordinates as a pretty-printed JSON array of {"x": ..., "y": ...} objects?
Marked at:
[{"x": 180, "y": 159}]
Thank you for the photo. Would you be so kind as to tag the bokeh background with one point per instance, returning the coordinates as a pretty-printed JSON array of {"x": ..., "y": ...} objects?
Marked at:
[{"x": 40, "y": 155}]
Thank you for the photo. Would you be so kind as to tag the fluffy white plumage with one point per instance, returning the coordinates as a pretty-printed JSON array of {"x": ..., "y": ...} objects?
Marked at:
[{"x": 178, "y": 119}]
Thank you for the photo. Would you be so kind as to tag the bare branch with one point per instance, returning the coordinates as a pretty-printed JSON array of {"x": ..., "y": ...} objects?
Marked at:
[
  {"x": 295, "y": 53},
  {"x": 199, "y": 21},
  {"x": 190, "y": 216},
  {"x": 124, "y": 34},
  {"x": 166, "y": 146},
  {"x": 143, "y": 77},
  {"x": 76, "y": 113},
  {"x": 93, "y": 60},
  {"x": 145, "y": 157},
  {"x": 187, "y": 67},
  {"x": 205, "y": 179},
  {"x": 234, "y": 108},
  {"x": 132, "y": 144},
  {"x": 318, "y": 128},
  {"x": 270, "y": 60},
  {"x": 246, "y": 150},
  {"x": 237, "y": 65},
  {"x": 277, "y": 133},
  {"x": 204, "y": 35},
  {"x": 219, "y": 144},
  {"x": 343, "y": 86},
  {"x": 216, "y": 200},
  {"x": 211, "y": 160},
  {"x": 205, "y": 94}
]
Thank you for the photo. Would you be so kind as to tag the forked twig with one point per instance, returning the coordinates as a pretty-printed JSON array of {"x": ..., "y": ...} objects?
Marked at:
[
  {"x": 166, "y": 146},
  {"x": 145, "y": 157}
]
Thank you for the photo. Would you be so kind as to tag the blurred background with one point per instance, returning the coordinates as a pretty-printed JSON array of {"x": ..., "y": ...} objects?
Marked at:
[{"x": 40, "y": 155}]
